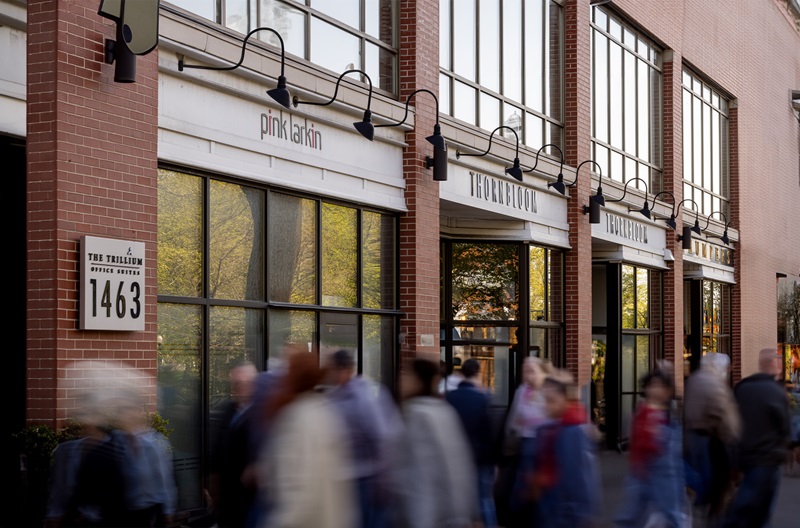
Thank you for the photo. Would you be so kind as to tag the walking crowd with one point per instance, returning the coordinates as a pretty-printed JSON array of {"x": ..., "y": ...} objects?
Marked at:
[{"x": 305, "y": 445}]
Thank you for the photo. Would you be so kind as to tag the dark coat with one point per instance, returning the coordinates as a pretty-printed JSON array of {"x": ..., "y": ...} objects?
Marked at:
[
  {"x": 765, "y": 419},
  {"x": 472, "y": 406}
]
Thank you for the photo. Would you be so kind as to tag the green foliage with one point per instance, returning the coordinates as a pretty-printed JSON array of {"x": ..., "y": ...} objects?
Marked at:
[{"x": 159, "y": 424}]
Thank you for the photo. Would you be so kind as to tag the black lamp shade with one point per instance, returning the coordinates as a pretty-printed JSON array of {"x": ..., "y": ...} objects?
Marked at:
[
  {"x": 645, "y": 210},
  {"x": 594, "y": 209},
  {"x": 437, "y": 139},
  {"x": 696, "y": 228},
  {"x": 125, "y": 60},
  {"x": 439, "y": 164},
  {"x": 725, "y": 239},
  {"x": 686, "y": 237},
  {"x": 365, "y": 127},
  {"x": 515, "y": 171},
  {"x": 558, "y": 186},
  {"x": 280, "y": 94},
  {"x": 599, "y": 198},
  {"x": 672, "y": 223}
]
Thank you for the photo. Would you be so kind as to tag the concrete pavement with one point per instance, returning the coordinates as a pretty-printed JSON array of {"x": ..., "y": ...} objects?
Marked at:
[{"x": 614, "y": 466}]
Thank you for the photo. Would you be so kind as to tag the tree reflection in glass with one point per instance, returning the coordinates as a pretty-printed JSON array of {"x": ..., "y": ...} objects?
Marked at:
[
  {"x": 339, "y": 255},
  {"x": 292, "y": 249},
  {"x": 485, "y": 281}
]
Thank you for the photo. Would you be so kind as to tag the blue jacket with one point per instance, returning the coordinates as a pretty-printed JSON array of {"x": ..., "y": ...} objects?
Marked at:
[
  {"x": 472, "y": 406},
  {"x": 574, "y": 500}
]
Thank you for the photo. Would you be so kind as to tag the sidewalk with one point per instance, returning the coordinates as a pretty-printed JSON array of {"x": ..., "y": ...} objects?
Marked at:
[{"x": 614, "y": 466}]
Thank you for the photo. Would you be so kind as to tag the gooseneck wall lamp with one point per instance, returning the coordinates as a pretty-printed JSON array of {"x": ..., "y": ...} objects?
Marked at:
[
  {"x": 686, "y": 233},
  {"x": 645, "y": 210},
  {"x": 559, "y": 184},
  {"x": 280, "y": 93},
  {"x": 724, "y": 237},
  {"x": 515, "y": 171},
  {"x": 671, "y": 221},
  {"x": 365, "y": 126},
  {"x": 439, "y": 159},
  {"x": 596, "y": 201}
]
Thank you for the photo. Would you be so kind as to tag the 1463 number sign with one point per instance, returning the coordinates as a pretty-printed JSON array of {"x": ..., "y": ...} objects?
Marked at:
[{"x": 112, "y": 284}]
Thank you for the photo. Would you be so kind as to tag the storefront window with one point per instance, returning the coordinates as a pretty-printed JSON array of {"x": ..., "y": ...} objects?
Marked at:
[
  {"x": 489, "y": 291},
  {"x": 707, "y": 320},
  {"x": 705, "y": 145},
  {"x": 335, "y": 34},
  {"x": 245, "y": 270},
  {"x": 626, "y": 101},
  {"x": 789, "y": 326},
  {"x": 501, "y": 64}
]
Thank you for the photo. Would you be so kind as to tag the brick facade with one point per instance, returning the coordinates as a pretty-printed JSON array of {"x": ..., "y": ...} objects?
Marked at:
[{"x": 92, "y": 150}]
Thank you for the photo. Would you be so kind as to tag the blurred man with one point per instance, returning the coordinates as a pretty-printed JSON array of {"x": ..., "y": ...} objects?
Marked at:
[
  {"x": 472, "y": 406},
  {"x": 763, "y": 446},
  {"x": 231, "y": 498},
  {"x": 712, "y": 429},
  {"x": 368, "y": 414}
]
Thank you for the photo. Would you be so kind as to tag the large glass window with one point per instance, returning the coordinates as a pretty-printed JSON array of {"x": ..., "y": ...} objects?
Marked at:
[
  {"x": 789, "y": 326},
  {"x": 244, "y": 270},
  {"x": 626, "y": 101},
  {"x": 501, "y": 64},
  {"x": 501, "y": 302},
  {"x": 642, "y": 324},
  {"x": 705, "y": 145},
  {"x": 335, "y": 34}
]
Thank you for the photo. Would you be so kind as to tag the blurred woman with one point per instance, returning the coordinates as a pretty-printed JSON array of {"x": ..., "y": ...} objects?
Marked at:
[
  {"x": 303, "y": 468},
  {"x": 526, "y": 415},
  {"x": 433, "y": 475}
]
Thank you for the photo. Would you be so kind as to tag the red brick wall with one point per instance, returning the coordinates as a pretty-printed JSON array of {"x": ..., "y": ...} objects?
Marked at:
[
  {"x": 749, "y": 49},
  {"x": 577, "y": 132},
  {"x": 419, "y": 228},
  {"x": 92, "y": 170}
]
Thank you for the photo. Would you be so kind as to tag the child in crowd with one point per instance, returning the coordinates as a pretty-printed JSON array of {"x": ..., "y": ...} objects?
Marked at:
[
  {"x": 655, "y": 485},
  {"x": 565, "y": 479}
]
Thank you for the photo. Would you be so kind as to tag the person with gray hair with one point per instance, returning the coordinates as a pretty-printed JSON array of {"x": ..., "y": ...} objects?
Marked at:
[{"x": 712, "y": 427}]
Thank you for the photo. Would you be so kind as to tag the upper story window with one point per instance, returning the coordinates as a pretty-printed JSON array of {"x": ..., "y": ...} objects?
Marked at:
[
  {"x": 501, "y": 64},
  {"x": 626, "y": 101},
  {"x": 335, "y": 34},
  {"x": 705, "y": 146}
]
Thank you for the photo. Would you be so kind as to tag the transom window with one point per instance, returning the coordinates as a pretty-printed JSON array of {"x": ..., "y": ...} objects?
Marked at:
[
  {"x": 335, "y": 34},
  {"x": 626, "y": 101},
  {"x": 705, "y": 145},
  {"x": 502, "y": 64}
]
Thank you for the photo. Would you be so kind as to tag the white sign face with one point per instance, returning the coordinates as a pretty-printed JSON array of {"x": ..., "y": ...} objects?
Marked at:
[
  {"x": 625, "y": 231},
  {"x": 112, "y": 284}
]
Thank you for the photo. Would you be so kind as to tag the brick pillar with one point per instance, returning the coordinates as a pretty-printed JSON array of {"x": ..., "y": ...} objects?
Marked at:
[
  {"x": 673, "y": 182},
  {"x": 577, "y": 120},
  {"x": 735, "y": 209},
  {"x": 419, "y": 228},
  {"x": 92, "y": 170}
]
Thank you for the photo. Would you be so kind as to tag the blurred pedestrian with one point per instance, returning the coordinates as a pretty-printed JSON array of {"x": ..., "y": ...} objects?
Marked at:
[
  {"x": 450, "y": 376},
  {"x": 515, "y": 505},
  {"x": 369, "y": 416},
  {"x": 764, "y": 443},
  {"x": 655, "y": 485},
  {"x": 564, "y": 478},
  {"x": 433, "y": 475},
  {"x": 150, "y": 488},
  {"x": 231, "y": 497},
  {"x": 472, "y": 405},
  {"x": 64, "y": 509},
  {"x": 712, "y": 427},
  {"x": 303, "y": 471}
]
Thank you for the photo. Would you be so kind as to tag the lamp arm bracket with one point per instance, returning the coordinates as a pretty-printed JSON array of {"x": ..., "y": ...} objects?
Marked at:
[
  {"x": 536, "y": 163},
  {"x": 708, "y": 219},
  {"x": 296, "y": 101},
  {"x": 182, "y": 65},
  {"x": 625, "y": 190},
  {"x": 491, "y": 137},
  {"x": 408, "y": 102}
]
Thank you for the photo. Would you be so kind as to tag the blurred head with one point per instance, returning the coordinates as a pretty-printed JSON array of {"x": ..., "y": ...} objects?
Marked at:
[
  {"x": 769, "y": 362},
  {"x": 657, "y": 386},
  {"x": 717, "y": 363},
  {"x": 341, "y": 367},
  {"x": 419, "y": 378},
  {"x": 533, "y": 372},
  {"x": 556, "y": 399},
  {"x": 470, "y": 369},
  {"x": 303, "y": 374},
  {"x": 242, "y": 376}
]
